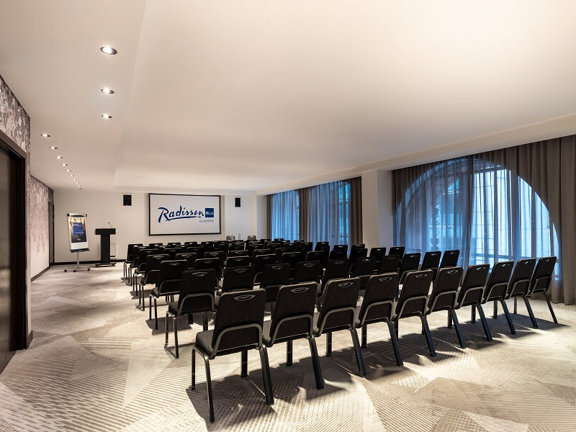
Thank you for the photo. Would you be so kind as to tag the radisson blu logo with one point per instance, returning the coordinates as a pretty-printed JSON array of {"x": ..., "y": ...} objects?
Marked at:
[{"x": 168, "y": 215}]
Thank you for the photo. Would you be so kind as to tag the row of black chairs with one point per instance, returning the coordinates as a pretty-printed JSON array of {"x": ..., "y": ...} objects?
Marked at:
[{"x": 239, "y": 325}]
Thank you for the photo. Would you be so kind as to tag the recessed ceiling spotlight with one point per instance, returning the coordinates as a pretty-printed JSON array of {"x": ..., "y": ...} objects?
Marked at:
[
  {"x": 59, "y": 157},
  {"x": 107, "y": 90},
  {"x": 53, "y": 148},
  {"x": 107, "y": 49},
  {"x": 64, "y": 164},
  {"x": 68, "y": 170},
  {"x": 106, "y": 116},
  {"x": 45, "y": 135}
]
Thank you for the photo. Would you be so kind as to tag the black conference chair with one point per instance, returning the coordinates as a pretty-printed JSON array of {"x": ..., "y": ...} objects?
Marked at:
[
  {"x": 450, "y": 258},
  {"x": 238, "y": 252},
  {"x": 321, "y": 256},
  {"x": 168, "y": 284},
  {"x": 357, "y": 251},
  {"x": 197, "y": 294},
  {"x": 519, "y": 285},
  {"x": 336, "y": 269},
  {"x": 293, "y": 318},
  {"x": 190, "y": 257},
  {"x": 390, "y": 264},
  {"x": 497, "y": 287},
  {"x": 209, "y": 263},
  {"x": 540, "y": 283},
  {"x": 151, "y": 275},
  {"x": 260, "y": 262},
  {"x": 431, "y": 261},
  {"x": 238, "y": 327},
  {"x": 410, "y": 262},
  {"x": 307, "y": 271},
  {"x": 129, "y": 258},
  {"x": 337, "y": 311},
  {"x": 322, "y": 246},
  {"x": 378, "y": 306},
  {"x": 363, "y": 268},
  {"x": 238, "y": 261},
  {"x": 377, "y": 253},
  {"x": 274, "y": 276},
  {"x": 413, "y": 301},
  {"x": 238, "y": 278},
  {"x": 397, "y": 251},
  {"x": 472, "y": 292},
  {"x": 444, "y": 295},
  {"x": 339, "y": 251}
]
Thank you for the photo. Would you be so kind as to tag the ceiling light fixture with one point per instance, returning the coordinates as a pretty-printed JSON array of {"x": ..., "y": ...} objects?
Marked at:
[
  {"x": 106, "y": 116},
  {"x": 68, "y": 170},
  {"x": 107, "y": 90},
  {"x": 59, "y": 157},
  {"x": 64, "y": 164},
  {"x": 53, "y": 148},
  {"x": 45, "y": 135},
  {"x": 107, "y": 49}
]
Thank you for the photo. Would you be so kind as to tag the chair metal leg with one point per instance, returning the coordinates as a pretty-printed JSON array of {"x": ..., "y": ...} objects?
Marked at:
[
  {"x": 316, "y": 363},
  {"x": 428, "y": 335},
  {"x": 166, "y": 330},
  {"x": 395, "y": 344},
  {"x": 244, "y": 361},
  {"x": 457, "y": 328},
  {"x": 328, "y": 344},
  {"x": 150, "y": 307},
  {"x": 495, "y": 313},
  {"x": 289, "y": 353},
  {"x": 155, "y": 314},
  {"x": 193, "y": 386},
  {"x": 515, "y": 305},
  {"x": 265, "y": 366},
  {"x": 472, "y": 314},
  {"x": 547, "y": 297},
  {"x": 175, "y": 324},
  {"x": 364, "y": 335},
  {"x": 358, "y": 351},
  {"x": 209, "y": 388},
  {"x": 449, "y": 319},
  {"x": 484, "y": 322},
  {"x": 530, "y": 312},
  {"x": 508, "y": 317}
]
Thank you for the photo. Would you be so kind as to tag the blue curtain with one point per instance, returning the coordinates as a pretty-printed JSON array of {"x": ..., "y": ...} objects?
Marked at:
[
  {"x": 284, "y": 215},
  {"x": 329, "y": 212}
]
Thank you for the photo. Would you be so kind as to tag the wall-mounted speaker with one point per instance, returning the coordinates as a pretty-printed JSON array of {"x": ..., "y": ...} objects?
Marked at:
[
  {"x": 127, "y": 200},
  {"x": 237, "y": 202}
]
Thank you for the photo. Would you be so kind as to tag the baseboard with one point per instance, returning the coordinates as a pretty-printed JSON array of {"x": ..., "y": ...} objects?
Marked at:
[
  {"x": 40, "y": 274},
  {"x": 85, "y": 262},
  {"x": 29, "y": 338}
]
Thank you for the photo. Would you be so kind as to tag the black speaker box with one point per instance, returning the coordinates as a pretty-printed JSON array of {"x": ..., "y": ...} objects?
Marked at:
[
  {"x": 237, "y": 202},
  {"x": 127, "y": 200}
]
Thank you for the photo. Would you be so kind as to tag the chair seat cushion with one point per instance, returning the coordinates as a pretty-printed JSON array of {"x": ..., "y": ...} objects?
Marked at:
[{"x": 204, "y": 341}]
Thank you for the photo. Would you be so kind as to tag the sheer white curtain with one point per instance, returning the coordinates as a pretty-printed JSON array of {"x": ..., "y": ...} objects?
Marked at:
[{"x": 284, "y": 215}]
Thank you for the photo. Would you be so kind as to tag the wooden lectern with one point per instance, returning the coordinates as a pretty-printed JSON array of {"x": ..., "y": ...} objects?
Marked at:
[{"x": 105, "y": 234}]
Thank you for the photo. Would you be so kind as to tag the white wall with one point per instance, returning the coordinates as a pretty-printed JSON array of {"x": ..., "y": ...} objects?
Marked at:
[
  {"x": 131, "y": 222},
  {"x": 377, "y": 211}
]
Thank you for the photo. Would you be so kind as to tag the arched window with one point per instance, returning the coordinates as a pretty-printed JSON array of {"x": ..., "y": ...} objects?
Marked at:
[{"x": 485, "y": 210}]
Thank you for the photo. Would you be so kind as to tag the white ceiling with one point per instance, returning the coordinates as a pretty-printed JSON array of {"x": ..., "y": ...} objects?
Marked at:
[{"x": 259, "y": 95}]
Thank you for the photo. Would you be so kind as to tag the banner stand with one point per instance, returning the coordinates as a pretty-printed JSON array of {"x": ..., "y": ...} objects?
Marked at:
[{"x": 78, "y": 266}]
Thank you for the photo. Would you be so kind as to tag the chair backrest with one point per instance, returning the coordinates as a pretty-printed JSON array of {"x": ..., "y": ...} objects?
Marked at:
[
  {"x": 497, "y": 284},
  {"x": 140, "y": 261},
  {"x": 378, "y": 303},
  {"x": 473, "y": 286},
  {"x": 321, "y": 256},
  {"x": 130, "y": 251},
  {"x": 397, "y": 251},
  {"x": 170, "y": 275},
  {"x": 335, "y": 269},
  {"x": 275, "y": 274},
  {"x": 198, "y": 250},
  {"x": 190, "y": 257},
  {"x": 155, "y": 245},
  {"x": 238, "y": 322},
  {"x": 363, "y": 267},
  {"x": 261, "y": 260},
  {"x": 390, "y": 264},
  {"x": 238, "y": 261},
  {"x": 293, "y": 314},
  {"x": 262, "y": 251},
  {"x": 445, "y": 289},
  {"x": 409, "y": 262},
  {"x": 197, "y": 291},
  {"x": 153, "y": 268},
  {"x": 308, "y": 271},
  {"x": 238, "y": 278},
  {"x": 173, "y": 244},
  {"x": 357, "y": 252},
  {"x": 339, "y": 251},
  {"x": 337, "y": 306},
  {"x": 291, "y": 257},
  {"x": 322, "y": 246},
  {"x": 414, "y": 295},
  {"x": 206, "y": 263},
  {"x": 220, "y": 254},
  {"x": 431, "y": 260},
  {"x": 377, "y": 253},
  {"x": 238, "y": 252},
  {"x": 542, "y": 274},
  {"x": 450, "y": 258},
  {"x": 521, "y": 277}
]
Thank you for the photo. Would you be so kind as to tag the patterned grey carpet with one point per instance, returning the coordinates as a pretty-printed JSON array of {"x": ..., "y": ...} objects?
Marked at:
[{"x": 95, "y": 364}]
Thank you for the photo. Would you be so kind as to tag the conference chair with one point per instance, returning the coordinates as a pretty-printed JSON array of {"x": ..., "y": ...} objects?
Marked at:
[
  {"x": 378, "y": 306},
  {"x": 238, "y": 278},
  {"x": 237, "y": 328},
  {"x": 207, "y": 263},
  {"x": 190, "y": 257},
  {"x": 337, "y": 311},
  {"x": 431, "y": 261},
  {"x": 357, "y": 251},
  {"x": 259, "y": 262},
  {"x": 197, "y": 294},
  {"x": 413, "y": 301},
  {"x": 390, "y": 264},
  {"x": 444, "y": 294},
  {"x": 238, "y": 261},
  {"x": 519, "y": 285},
  {"x": 335, "y": 269},
  {"x": 168, "y": 284},
  {"x": 363, "y": 268},
  {"x": 377, "y": 253},
  {"x": 238, "y": 252},
  {"x": 339, "y": 251},
  {"x": 450, "y": 258},
  {"x": 151, "y": 276},
  {"x": 272, "y": 277},
  {"x": 129, "y": 258},
  {"x": 410, "y": 262},
  {"x": 292, "y": 319},
  {"x": 497, "y": 287},
  {"x": 472, "y": 293},
  {"x": 308, "y": 271},
  {"x": 322, "y": 246},
  {"x": 397, "y": 251},
  {"x": 321, "y": 256},
  {"x": 540, "y": 283}
]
